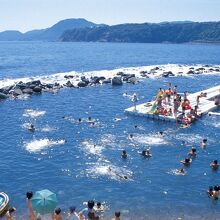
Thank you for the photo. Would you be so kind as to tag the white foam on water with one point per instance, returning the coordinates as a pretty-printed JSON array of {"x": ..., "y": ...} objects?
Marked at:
[
  {"x": 176, "y": 172},
  {"x": 91, "y": 148},
  {"x": 150, "y": 139},
  {"x": 38, "y": 145},
  {"x": 109, "y": 170},
  {"x": 47, "y": 128},
  {"x": 33, "y": 113},
  {"x": 188, "y": 138},
  {"x": 177, "y": 70},
  {"x": 108, "y": 140}
]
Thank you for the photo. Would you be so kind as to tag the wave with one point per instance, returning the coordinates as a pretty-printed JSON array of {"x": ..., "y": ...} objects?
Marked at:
[
  {"x": 38, "y": 145},
  {"x": 33, "y": 113},
  {"x": 153, "y": 71}
]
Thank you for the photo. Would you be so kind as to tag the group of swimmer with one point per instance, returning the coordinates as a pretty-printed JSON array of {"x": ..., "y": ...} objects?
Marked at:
[
  {"x": 213, "y": 192},
  {"x": 89, "y": 120},
  {"x": 93, "y": 211}
]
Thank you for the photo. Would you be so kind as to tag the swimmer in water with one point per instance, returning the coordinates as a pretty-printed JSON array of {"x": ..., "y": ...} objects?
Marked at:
[
  {"x": 79, "y": 120},
  {"x": 31, "y": 128},
  {"x": 186, "y": 162},
  {"x": 131, "y": 136},
  {"x": 161, "y": 133},
  {"x": 204, "y": 143},
  {"x": 210, "y": 191},
  {"x": 181, "y": 171},
  {"x": 117, "y": 174},
  {"x": 146, "y": 153},
  {"x": 214, "y": 164},
  {"x": 192, "y": 152},
  {"x": 215, "y": 193},
  {"x": 124, "y": 154}
]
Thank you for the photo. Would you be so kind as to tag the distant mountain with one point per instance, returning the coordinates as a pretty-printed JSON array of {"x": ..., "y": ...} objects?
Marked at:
[
  {"x": 173, "y": 32},
  {"x": 83, "y": 30},
  {"x": 49, "y": 34},
  {"x": 10, "y": 35}
]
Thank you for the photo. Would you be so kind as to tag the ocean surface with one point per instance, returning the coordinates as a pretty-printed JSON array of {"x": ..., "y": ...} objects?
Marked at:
[{"x": 73, "y": 159}]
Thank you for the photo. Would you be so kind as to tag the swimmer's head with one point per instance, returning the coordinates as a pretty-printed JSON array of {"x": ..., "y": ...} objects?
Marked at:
[
  {"x": 124, "y": 152},
  {"x": 215, "y": 161},
  {"x": 204, "y": 140},
  {"x": 90, "y": 204},
  {"x": 117, "y": 214},
  {"x": 98, "y": 204}
]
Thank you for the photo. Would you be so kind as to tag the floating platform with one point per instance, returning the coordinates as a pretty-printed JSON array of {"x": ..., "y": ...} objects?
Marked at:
[{"x": 206, "y": 104}]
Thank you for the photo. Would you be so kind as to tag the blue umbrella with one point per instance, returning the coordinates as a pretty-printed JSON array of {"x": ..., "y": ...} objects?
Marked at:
[{"x": 44, "y": 201}]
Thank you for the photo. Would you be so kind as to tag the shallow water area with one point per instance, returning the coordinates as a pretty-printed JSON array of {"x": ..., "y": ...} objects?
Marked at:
[{"x": 73, "y": 159}]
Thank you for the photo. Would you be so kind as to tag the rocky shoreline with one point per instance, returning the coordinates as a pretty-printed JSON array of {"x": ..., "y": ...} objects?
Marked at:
[{"x": 116, "y": 77}]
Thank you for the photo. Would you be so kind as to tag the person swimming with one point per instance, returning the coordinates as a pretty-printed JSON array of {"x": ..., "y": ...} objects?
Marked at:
[
  {"x": 124, "y": 154},
  {"x": 192, "y": 152},
  {"x": 181, "y": 171},
  {"x": 146, "y": 153},
  {"x": 214, "y": 164},
  {"x": 131, "y": 136},
  {"x": 204, "y": 143},
  {"x": 31, "y": 128},
  {"x": 186, "y": 161},
  {"x": 117, "y": 174}
]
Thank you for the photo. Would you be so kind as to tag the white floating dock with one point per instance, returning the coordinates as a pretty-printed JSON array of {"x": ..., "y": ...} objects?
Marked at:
[{"x": 206, "y": 104}]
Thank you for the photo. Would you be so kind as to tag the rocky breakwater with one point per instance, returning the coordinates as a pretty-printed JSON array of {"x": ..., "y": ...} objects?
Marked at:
[{"x": 25, "y": 89}]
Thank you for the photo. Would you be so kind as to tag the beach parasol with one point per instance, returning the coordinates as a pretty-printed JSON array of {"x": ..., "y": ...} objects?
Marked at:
[{"x": 44, "y": 201}]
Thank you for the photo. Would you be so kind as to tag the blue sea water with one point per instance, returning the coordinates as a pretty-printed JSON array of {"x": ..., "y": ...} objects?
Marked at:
[{"x": 77, "y": 170}]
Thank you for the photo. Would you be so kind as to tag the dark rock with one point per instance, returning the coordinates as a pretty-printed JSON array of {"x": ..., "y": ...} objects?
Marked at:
[
  {"x": 217, "y": 70},
  {"x": 132, "y": 80},
  {"x": 143, "y": 72},
  {"x": 17, "y": 92},
  {"x": 200, "y": 69},
  {"x": 120, "y": 73},
  {"x": 82, "y": 84},
  {"x": 106, "y": 81},
  {"x": 167, "y": 74},
  {"x": 211, "y": 69},
  {"x": 68, "y": 76},
  {"x": 117, "y": 81},
  {"x": 49, "y": 86},
  {"x": 36, "y": 82},
  {"x": 191, "y": 68},
  {"x": 37, "y": 89},
  {"x": 69, "y": 84},
  {"x": 21, "y": 86},
  {"x": 3, "y": 96},
  {"x": 27, "y": 91},
  {"x": 56, "y": 84},
  {"x": 6, "y": 89},
  {"x": 190, "y": 72},
  {"x": 94, "y": 80}
]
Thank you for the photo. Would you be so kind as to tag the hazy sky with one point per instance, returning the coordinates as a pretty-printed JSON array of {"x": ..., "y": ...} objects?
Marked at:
[{"x": 26, "y": 15}]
